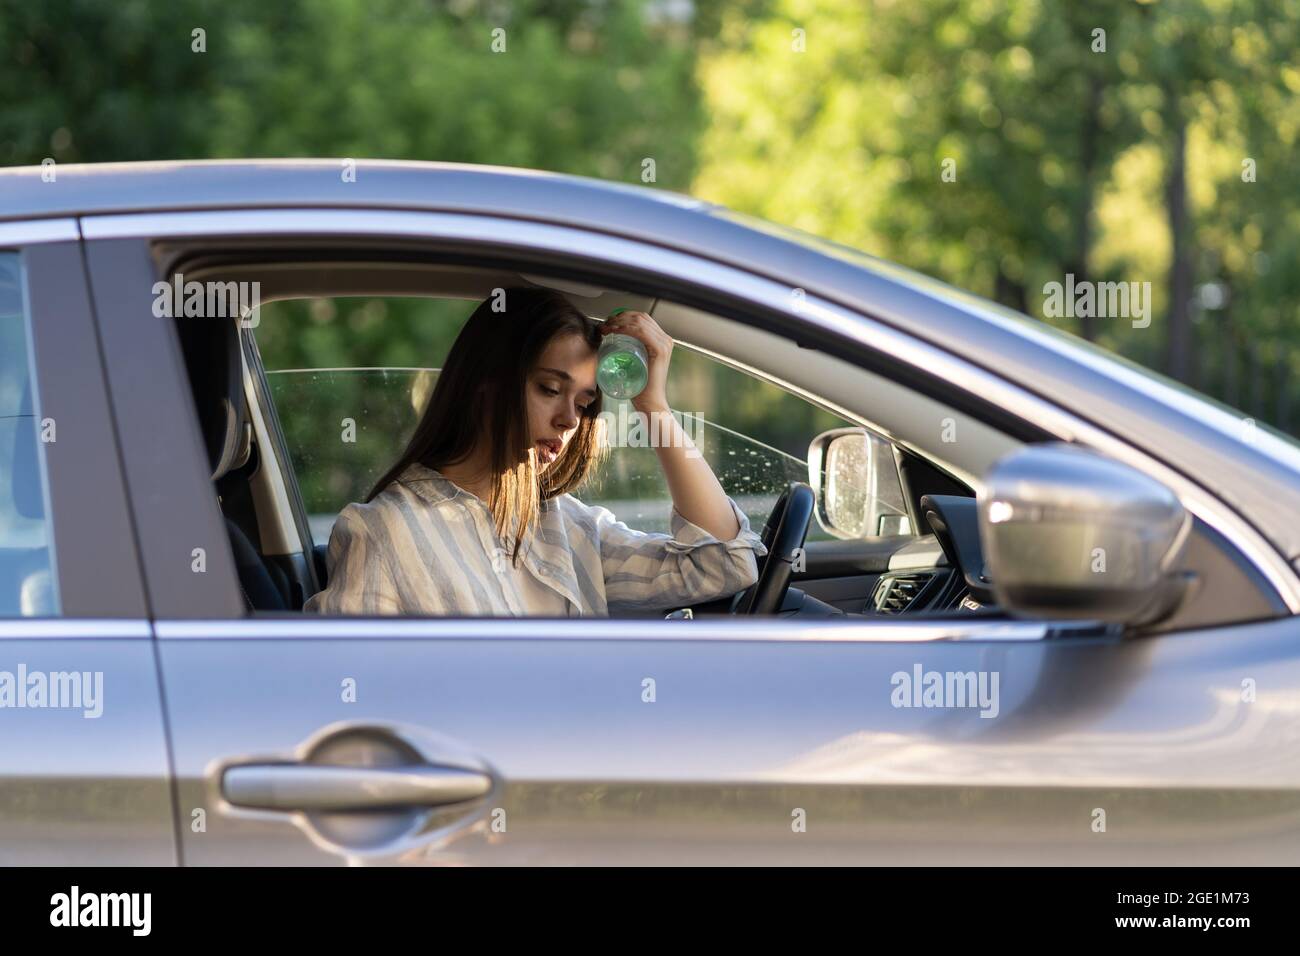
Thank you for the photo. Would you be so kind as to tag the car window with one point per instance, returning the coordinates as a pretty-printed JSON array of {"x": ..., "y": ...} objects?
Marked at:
[
  {"x": 753, "y": 434},
  {"x": 349, "y": 379},
  {"x": 344, "y": 427},
  {"x": 28, "y": 587}
]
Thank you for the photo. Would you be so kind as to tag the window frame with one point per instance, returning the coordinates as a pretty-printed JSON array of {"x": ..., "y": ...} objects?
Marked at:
[
  {"x": 93, "y": 545},
  {"x": 263, "y": 407},
  {"x": 729, "y": 292},
  {"x": 161, "y": 446}
]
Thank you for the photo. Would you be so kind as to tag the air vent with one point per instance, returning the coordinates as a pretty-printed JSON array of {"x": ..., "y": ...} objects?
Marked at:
[{"x": 895, "y": 594}]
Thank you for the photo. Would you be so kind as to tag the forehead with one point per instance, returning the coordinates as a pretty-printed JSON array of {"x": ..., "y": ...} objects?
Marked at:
[{"x": 569, "y": 353}]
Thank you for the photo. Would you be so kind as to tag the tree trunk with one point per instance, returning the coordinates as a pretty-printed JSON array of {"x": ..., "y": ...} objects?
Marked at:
[
  {"x": 1256, "y": 373},
  {"x": 1011, "y": 293},
  {"x": 1089, "y": 131},
  {"x": 1229, "y": 389},
  {"x": 1281, "y": 390},
  {"x": 1178, "y": 339}
]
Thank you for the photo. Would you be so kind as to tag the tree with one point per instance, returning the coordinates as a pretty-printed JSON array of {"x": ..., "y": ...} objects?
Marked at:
[{"x": 999, "y": 146}]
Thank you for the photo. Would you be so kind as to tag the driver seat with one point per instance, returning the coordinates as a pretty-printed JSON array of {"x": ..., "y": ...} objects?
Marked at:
[{"x": 212, "y": 355}]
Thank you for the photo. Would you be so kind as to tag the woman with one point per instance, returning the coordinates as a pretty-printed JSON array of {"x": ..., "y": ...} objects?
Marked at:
[{"x": 476, "y": 518}]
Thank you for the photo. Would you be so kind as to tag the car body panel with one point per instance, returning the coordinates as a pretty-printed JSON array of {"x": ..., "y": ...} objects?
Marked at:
[
  {"x": 742, "y": 734},
  {"x": 1185, "y": 742},
  {"x": 185, "y": 547},
  {"x": 86, "y": 790},
  {"x": 97, "y": 559},
  {"x": 89, "y": 784}
]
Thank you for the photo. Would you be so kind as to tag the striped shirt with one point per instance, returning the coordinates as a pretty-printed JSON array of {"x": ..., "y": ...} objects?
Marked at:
[{"x": 425, "y": 546}]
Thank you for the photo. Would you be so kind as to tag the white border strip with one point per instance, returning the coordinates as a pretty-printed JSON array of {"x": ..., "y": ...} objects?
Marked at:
[
  {"x": 30, "y": 232},
  {"x": 871, "y": 630},
  {"x": 42, "y": 628}
]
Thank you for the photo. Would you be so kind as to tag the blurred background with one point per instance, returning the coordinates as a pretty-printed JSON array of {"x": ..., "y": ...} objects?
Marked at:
[{"x": 996, "y": 144}]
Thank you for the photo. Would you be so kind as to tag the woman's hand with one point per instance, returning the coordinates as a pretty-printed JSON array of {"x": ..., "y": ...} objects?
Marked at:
[
  {"x": 697, "y": 495},
  {"x": 658, "y": 346}
]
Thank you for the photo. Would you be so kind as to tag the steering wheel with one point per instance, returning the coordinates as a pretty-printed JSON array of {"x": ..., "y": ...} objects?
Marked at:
[{"x": 783, "y": 535}]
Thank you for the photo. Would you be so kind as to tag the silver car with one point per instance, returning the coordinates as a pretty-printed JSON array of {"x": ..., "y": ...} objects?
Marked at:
[{"x": 1025, "y": 602}]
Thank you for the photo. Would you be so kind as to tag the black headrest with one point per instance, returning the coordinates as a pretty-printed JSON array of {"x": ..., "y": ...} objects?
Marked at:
[{"x": 212, "y": 355}]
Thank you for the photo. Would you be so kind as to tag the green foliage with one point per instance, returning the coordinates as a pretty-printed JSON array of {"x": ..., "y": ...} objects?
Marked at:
[{"x": 1063, "y": 155}]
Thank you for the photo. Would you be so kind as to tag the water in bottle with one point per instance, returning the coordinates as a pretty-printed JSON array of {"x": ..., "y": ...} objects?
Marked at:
[{"x": 622, "y": 366}]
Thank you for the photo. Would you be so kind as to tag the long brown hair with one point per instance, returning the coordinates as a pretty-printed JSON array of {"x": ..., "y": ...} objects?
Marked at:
[{"x": 481, "y": 394}]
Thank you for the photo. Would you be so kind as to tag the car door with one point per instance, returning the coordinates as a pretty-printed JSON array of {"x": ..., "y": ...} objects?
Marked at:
[
  {"x": 84, "y": 770},
  {"x": 304, "y": 740}
]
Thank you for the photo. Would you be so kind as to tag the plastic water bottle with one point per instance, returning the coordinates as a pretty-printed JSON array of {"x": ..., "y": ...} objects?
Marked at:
[{"x": 622, "y": 366}]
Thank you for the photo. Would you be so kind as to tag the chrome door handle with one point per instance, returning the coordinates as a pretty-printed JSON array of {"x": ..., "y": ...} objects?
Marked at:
[{"x": 290, "y": 786}]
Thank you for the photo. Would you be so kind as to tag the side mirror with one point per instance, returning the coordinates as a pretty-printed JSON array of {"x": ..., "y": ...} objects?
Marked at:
[
  {"x": 855, "y": 477},
  {"x": 1067, "y": 533}
]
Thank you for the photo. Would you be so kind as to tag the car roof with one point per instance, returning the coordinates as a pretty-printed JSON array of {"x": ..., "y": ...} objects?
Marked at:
[
  {"x": 89, "y": 189},
  {"x": 1259, "y": 476}
]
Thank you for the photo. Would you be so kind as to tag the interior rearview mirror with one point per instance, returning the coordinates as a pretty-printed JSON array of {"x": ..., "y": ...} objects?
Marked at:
[
  {"x": 855, "y": 477},
  {"x": 1068, "y": 533}
]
